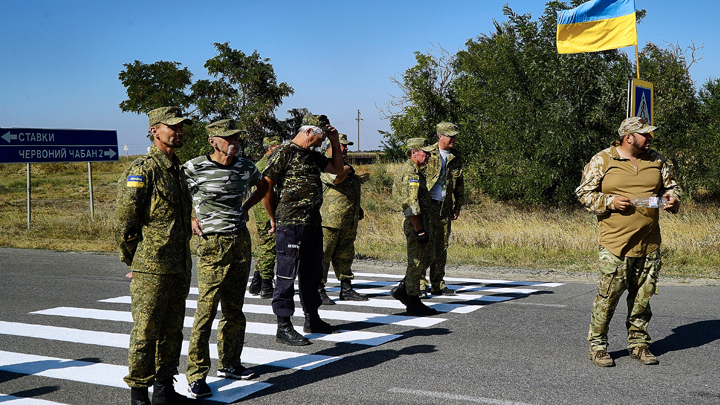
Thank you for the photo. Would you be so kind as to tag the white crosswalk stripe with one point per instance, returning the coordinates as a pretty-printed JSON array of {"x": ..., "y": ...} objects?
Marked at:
[{"x": 379, "y": 311}]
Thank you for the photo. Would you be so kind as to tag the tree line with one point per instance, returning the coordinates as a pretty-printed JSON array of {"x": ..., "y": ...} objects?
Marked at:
[{"x": 530, "y": 118}]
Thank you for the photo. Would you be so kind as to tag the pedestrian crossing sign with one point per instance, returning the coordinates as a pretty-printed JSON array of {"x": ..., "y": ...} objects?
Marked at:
[{"x": 640, "y": 100}]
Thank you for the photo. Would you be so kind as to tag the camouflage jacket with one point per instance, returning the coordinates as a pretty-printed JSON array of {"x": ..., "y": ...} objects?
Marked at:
[
  {"x": 410, "y": 191},
  {"x": 296, "y": 172},
  {"x": 261, "y": 215},
  {"x": 152, "y": 215},
  {"x": 341, "y": 202},
  {"x": 218, "y": 192},
  {"x": 635, "y": 232},
  {"x": 454, "y": 180}
]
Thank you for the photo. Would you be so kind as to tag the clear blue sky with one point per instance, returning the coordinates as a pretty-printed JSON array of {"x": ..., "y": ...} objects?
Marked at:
[{"x": 61, "y": 59}]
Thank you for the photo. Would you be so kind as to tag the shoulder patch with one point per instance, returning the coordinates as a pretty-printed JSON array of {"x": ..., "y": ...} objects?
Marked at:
[
  {"x": 414, "y": 182},
  {"x": 136, "y": 181}
]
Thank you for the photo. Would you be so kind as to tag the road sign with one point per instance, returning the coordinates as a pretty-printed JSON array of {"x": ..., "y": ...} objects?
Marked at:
[
  {"x": 640, "y": 100},
  {"x": 30, "y": 145}
]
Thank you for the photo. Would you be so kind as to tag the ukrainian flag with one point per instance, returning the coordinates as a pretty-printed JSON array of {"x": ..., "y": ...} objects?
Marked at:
[{"x": 597, "y": 25}]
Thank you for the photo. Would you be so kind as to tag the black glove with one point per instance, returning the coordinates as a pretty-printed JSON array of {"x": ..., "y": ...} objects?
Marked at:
[{"x": 422, "y": 237}]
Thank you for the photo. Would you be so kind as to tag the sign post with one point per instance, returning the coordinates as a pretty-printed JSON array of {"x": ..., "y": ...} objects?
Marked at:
[{"x": 31, "y": 145}]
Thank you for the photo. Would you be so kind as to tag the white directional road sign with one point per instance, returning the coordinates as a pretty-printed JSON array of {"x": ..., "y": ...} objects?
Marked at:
[{"x": 30, "y": 145}]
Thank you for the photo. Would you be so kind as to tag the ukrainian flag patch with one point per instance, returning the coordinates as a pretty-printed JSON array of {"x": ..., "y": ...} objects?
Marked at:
[
  {"x": 414, "y": 182},
  {"x": 136, "y": 181}
]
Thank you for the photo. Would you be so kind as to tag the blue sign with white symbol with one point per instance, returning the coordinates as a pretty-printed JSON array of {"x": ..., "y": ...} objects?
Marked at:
[
  {"x": 640, "y": 101},
  {"x": 29, "y": 145}
]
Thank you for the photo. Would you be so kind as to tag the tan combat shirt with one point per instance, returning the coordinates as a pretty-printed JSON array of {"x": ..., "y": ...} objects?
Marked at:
[
  {"x": 635, "y": 232},
  {"x": 410, "y": 191}
]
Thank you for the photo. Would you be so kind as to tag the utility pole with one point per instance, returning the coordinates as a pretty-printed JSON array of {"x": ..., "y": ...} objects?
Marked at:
[{"x": 358, "y": 119}]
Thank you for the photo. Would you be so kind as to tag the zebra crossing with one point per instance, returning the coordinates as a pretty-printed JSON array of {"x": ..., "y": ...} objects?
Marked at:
[{"x": 360, "y": 317}]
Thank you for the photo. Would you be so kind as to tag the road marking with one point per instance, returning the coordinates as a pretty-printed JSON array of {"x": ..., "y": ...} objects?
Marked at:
[
  {"x": 443, "y": 395},
  {"x": 405, "y": 320},
  {"x": 298, "y": 361},
  {"x": 13, "y": 400},
  {"x": 347, "y": 336},
  {"x": 224, "y": 390}
]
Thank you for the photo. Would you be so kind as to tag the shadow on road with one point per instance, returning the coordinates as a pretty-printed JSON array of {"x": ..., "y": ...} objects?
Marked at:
[{"x": 688, "y": 336}]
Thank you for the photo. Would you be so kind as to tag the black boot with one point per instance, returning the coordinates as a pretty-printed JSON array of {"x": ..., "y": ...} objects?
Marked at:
[
  {"x": 400, "y": 293},
  {"x": 323, "y": 296},
  {"x": 254, "y": 288},
  {"x": 139, "y": 396},
  {"x": 164, "y": 394},
  {"x": 288, "y": 335},
  {"x": 348, "y": 294},
  {"x": 416, "y": 307},
  {"x": 266, "y": 288},
  {"x": 313, "y": 324}
]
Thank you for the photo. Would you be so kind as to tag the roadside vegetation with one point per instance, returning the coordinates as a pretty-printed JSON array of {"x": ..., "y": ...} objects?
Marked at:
[{"x": 488, "y": 233}]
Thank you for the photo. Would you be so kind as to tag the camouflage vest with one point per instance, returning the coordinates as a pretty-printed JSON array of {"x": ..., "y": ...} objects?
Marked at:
[
  {"x": 218, "y": 192},
  {"x": 341, "y": 202}
]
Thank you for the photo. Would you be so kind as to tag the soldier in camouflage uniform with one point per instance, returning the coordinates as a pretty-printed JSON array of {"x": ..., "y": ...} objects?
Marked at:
[
  {"x": 295, "y": 219},
  {"x": 411, "y": 193},
  {"x": 262, "y": 281},
  {"x": 152, "y": 230},
  {"x": 340, "y": 212},
  {"x": 217, "y": 183},
  {"x": 629, "y": 234},
  {"x": 447, "y": 190}
]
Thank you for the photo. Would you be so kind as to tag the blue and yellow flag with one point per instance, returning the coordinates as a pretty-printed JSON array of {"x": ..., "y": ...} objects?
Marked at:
[{"x": 597, "y": 25}]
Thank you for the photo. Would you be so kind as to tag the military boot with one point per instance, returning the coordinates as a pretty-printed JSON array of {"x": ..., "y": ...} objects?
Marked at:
[
  {"x": 601, "y": 358},
  {"x": 164, "y": 394},
  {"x": 400, "y": 293},
  {"x": 323, "y": 296},
  {"x": 288, "y": 335},
  {"x": 313, "y": 324},
  {"x": 266, "y": 288},
  {"x": 642, "y": 354},
  {"x": 139, "y": 396},
  {"x": 254, "y": 288},
  {"x": 416, "y": 307},
  {"x": 348, "y": 294}
]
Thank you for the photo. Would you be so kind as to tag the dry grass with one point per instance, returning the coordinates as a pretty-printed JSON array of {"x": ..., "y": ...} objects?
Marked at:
[{"x": 488, "y": 233}]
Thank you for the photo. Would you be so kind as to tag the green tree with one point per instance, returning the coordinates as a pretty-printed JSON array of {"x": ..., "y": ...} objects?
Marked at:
[
  {"x": 427, "y": 98},
  {"x": 243, "y": 87}
]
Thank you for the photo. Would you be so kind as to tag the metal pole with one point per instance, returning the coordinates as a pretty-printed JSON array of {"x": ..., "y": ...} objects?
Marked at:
[
  {"x": 90, "y": 188},
  {"x": 27, "y": 169}
]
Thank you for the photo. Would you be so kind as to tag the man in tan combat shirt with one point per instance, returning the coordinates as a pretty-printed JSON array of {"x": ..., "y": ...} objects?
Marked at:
[{"x": 629, "y": 234}]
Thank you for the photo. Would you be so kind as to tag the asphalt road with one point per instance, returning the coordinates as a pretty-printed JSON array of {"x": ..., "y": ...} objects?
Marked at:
[{"x": 505, "y": 343}]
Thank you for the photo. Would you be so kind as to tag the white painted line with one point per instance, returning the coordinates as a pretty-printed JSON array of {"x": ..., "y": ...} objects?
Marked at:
[
  {"x": 466, "y": 280},
  {"x": 405, "y": 320},
  {"x": 356, "y": 337},
  {"x": 224, "y": 390},
  {"x": 446, "y": 396},
  {"x": 12, "y": 400},
  {"x": 250, "y": 355}
]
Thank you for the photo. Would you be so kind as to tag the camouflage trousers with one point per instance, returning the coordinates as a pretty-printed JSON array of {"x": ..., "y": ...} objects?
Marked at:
[
  {"x": 339, "y": 249},
  {"x": 441, "y": 237},
  {"x": 637, "y": 275},
  {"x": 158, "y": 311},
  {"x": 223, "y": 267},
  {"x": 419, "y": 256},
  {"x": 265, "y": 263}
]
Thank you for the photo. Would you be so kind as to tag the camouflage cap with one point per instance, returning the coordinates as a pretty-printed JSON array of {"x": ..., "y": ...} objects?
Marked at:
[
  {"x": 447, "y": 128},
  {"x": 418, "y": 143},
  {"x": 320, "y": 121},
  {"x": 269, "y": 141},
  {"x": 223, "y": 128},
  {"x": 635, "y": 125},
  {"x": 343, "y": 140},
  {"x": 167, "y": 116}
]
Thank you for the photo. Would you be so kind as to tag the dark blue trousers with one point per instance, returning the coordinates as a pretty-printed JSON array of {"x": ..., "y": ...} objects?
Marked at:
[{"x": 299, "y": 251}]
